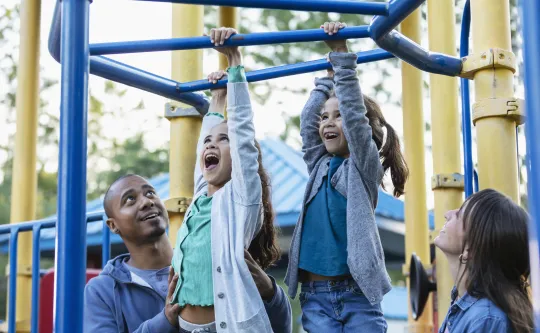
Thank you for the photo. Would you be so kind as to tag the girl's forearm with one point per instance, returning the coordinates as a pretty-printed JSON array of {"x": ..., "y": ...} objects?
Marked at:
[
  {"x": 218, "y": 103},
  {"x": 235, "y": 59}
]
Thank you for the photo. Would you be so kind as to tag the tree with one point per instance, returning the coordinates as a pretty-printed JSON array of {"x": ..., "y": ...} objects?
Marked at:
[{"x": 106, "y": 159}]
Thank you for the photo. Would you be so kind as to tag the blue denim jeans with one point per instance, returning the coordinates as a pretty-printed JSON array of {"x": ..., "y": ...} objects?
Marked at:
[{"x": 339, "y": 307}]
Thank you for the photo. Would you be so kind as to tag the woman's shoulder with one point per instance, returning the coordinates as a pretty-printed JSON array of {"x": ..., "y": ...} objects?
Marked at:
[
  {"x": 485, "y": 310},
  {"x": 488, "y": 307}
]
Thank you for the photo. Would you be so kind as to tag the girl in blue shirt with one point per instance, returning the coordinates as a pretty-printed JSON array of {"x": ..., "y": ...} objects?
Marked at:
[
  {"x": 486, "y": 243},
  {"x": 336, "y": 251}
]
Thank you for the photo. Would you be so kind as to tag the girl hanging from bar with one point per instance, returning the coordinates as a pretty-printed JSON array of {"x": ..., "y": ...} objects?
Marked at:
[
  {"x": 336, "y": 252},
  {"x": 231, "y": 212}
]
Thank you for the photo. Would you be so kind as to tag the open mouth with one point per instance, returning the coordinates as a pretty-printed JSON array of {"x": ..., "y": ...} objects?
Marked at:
[
  {"x": 150, "y": 217},
  {"x": 330, "y": 135},
  {"x": 211, "y": 161}
]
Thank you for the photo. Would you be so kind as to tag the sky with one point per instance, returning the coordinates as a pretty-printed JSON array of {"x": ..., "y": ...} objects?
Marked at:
[{"x": 123, "y": 20}]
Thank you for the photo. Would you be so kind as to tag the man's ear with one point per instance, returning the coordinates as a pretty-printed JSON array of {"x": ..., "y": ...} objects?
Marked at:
[{"x": 112, "y": 226}]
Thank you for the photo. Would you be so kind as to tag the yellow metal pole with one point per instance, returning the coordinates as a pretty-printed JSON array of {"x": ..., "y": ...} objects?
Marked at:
[
  {"x": 228, "y": 17},
  {"x": 24, "y": 185},
  {"x": 187, "y": 21},
  {"x": 496, "y": 135},
  {"x": 416, "y": 222},
  {"x": 445, "y": 131}
]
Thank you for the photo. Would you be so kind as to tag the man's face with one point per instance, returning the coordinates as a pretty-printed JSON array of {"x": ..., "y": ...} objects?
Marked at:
[{"x": 138, "y": 215}]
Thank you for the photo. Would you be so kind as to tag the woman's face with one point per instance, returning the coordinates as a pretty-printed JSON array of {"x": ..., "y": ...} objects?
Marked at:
[{"x": 451, "y": 237}]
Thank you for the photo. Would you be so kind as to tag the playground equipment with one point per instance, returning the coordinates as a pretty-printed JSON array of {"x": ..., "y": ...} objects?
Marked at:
[{"x": 496, "y": 114}]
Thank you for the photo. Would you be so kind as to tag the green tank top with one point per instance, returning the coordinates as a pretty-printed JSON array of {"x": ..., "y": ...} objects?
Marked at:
[{"x": 193, "y": 255}]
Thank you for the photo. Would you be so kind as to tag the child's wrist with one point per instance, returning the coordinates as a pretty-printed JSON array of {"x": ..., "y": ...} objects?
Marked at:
[{"x": 235, "y": 59}]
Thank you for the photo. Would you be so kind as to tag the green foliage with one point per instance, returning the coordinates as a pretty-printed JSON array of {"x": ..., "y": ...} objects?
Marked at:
[{"x": 130, "y": 155}]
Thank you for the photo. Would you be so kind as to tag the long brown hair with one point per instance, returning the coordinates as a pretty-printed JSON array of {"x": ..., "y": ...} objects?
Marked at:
[
  {"x": 497, "y": 264},
  {"x": 390, "y": 153},
  {"x": 264, "y": 247},
  {"x": 389, "y": 149}
]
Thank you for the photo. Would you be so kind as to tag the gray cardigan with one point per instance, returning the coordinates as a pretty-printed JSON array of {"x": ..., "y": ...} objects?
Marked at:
[{"x": 358, "y": 178}]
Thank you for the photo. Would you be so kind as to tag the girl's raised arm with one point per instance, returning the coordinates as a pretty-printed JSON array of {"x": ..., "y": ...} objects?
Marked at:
[
  {"x": 358, "y": 132},
  {"x": 312, "y": 144},
  {"x": 244, "y": 154}
]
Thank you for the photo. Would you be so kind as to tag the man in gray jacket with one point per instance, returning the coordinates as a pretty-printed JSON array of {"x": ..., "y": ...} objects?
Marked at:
[{"x": 133, "y": 292}]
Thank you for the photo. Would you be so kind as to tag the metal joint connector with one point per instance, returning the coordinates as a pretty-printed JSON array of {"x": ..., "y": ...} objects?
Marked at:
[
  {"x": 492, "y": 58},
  {"x": 174, "y": 111},
  {"x": 177, "y": 205},
  {"x": 22, "y": 270},
  {"x": 454, "y": 180},
  {"x": 500, "y": 107}
]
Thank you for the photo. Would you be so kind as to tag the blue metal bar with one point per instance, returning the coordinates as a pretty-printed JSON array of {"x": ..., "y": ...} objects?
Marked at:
[
  {"x": 106, "y": 244},
  {"x": 466, "y": 103},
  {"x": 285, "y": 70},
  {"x": 398, "y": 11},
  {"x": 45, "y": 223},
  {"x": 325, "y": 6},
  {"x": 476, "y": 186},
  {"x": 381, "y": 31},
  {"x": 36, "y": 261},
  {"x": 12, "y": 302},
  {"x": 122, "y": 73},
  {"x": 71, "y": 236},
  {"x": 412, "y": 53},
  {"x": 530, "y": 15},
  {"x": 191, "y": 43},
  {"x": 134, "y": 77}
]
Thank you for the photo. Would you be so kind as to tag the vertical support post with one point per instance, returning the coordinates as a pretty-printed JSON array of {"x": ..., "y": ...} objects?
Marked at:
[
  {"x": 71, "y": 240},
  {"x": 106, "y": 243},
  {"x": 12, "y": 289},
  {"x": 187, "y": 21},
  {"x": 228, "y": 17},
  {"x": 497, "y": 159},
  {"x": 445, "y": 129},
  {"x": 465, "y": 103},
  {"x": 416, "y": 217},
  {"x": 530, "y": 15},
  {"x": 24, "y": 183},
  {"x": 36, "y": 260}
]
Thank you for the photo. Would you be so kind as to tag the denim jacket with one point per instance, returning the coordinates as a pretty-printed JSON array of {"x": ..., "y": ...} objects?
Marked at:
[{"x": 469, "y": 314}]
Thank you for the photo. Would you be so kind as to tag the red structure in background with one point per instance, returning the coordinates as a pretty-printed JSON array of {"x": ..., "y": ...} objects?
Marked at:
[{"x": 46, "y": 299}]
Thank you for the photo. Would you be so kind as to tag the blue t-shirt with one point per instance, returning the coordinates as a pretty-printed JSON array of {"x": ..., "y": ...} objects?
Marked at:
[
  {"x": 323, "y": 248},
  {"x": 156, "y": 278}
]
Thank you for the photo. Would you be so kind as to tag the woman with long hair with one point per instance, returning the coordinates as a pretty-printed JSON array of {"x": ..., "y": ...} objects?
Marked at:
[{"x": 486, "y": 244}]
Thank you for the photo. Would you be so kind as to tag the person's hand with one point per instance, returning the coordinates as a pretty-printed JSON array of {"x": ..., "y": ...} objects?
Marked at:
[
  {"x": 262, "y": 281},
  {"x": 214, "y": 77},
  {"x": 172, "y": 311},
  {"x": 218, "y": 36},
  {"x": 332, "y": 28}
]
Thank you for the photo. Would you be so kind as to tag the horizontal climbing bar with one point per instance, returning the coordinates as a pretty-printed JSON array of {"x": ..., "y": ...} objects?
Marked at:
[
  {"x": 334, "y": 6},
  {"x": 261, "y": 38},
  {"x": 282, "y": 71}
]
